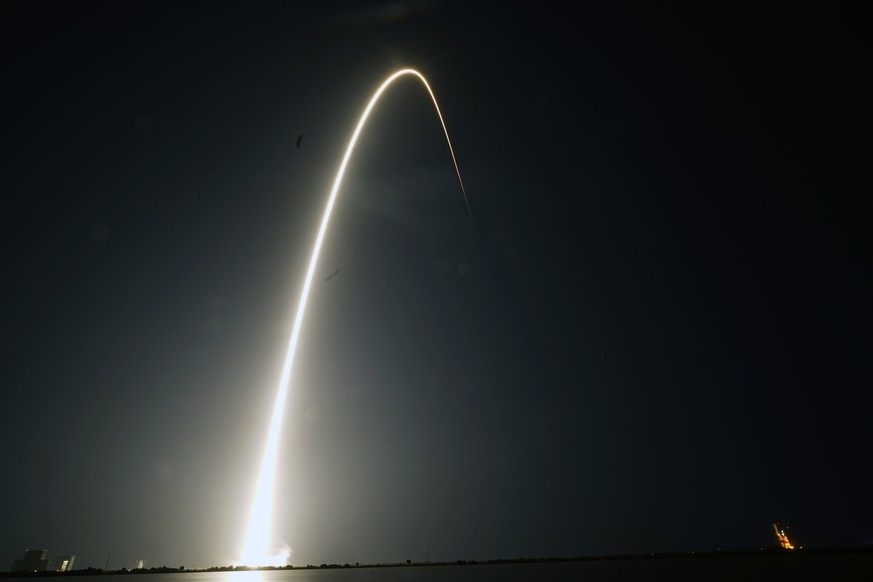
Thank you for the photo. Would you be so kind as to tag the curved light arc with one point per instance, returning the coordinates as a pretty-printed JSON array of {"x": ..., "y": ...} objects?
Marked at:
[{"x": 256, "y": 551}]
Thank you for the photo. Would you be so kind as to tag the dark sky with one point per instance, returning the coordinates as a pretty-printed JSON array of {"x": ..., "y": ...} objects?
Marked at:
[{"x": 657, "y": 338}]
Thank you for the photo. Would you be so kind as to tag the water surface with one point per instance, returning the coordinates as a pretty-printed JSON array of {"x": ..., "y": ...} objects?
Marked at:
[{"x": 764, "y": 568}]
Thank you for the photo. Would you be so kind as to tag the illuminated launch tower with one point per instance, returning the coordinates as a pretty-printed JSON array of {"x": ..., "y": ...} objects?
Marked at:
[{"x": 783, "y": 539}]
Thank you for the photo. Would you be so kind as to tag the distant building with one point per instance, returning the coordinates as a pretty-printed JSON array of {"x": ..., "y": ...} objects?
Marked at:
[
  {"x": 33, "y": 561},
  {"x": 64, "y": 563}
]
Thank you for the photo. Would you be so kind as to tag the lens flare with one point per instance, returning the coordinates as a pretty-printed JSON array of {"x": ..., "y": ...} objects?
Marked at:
[{"x": 256, "y": 550}]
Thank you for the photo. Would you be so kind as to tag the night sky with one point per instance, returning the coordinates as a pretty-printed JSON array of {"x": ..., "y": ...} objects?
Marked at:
[{"x": 657, "y": 336}]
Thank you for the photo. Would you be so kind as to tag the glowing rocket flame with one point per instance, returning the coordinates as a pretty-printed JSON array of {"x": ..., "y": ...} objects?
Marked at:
[{"x": 256, "y": 551}]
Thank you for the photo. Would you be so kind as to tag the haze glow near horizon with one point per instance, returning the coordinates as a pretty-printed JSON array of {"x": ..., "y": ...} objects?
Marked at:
[{"x": 256, "y": 549}]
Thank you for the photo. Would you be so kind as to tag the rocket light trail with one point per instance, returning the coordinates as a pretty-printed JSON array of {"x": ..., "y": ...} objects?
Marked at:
[{"x": 256, "y": 551}]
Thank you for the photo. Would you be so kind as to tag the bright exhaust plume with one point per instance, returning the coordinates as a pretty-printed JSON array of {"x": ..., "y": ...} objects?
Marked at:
[{"x": 256, "y": 549}]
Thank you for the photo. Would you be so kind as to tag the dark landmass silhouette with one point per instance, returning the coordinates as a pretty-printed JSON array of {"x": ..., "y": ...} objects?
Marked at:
[{"x": 775, "y": 552}]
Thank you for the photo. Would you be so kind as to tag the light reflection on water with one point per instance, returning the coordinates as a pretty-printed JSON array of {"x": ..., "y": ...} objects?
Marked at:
[{"x": 763, "y": 568}]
